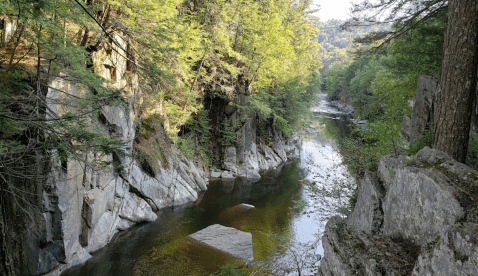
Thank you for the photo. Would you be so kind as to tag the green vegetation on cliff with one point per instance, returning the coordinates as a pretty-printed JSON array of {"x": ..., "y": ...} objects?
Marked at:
[
  {"x": 181, "y": 53},
  {"x": 379, "y": 84}
]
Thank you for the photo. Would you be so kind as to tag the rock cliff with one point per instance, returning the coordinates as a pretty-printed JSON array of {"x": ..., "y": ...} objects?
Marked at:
[{"x": 411, "y": 218}]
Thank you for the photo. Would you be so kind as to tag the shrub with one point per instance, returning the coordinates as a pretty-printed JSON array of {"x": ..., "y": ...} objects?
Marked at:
[
  {"x": 426, "y": 139},
  {"x": 353, "y": 200}
]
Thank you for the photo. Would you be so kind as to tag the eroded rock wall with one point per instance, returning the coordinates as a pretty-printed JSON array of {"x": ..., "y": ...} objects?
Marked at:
[{"x": 75, "y": 207}]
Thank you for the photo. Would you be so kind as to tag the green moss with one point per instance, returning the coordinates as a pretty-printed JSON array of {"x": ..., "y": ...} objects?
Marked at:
[{"x": 161, "y": 156}]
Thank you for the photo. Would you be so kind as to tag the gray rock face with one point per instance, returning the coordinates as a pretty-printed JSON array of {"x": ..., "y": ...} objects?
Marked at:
[
  {"x": 428, "y": 204},
  {"x": 406, "y": 125},
  {"x": 261, "y": 158},
  {"x": 419, "y": 205},
  {"x": 291, "y": 146},
  {"x": 229, "y": 160},
  {"x": 367, "y": 215},
  {"x": 386, "y": 169},
  {"x": 454, "y": 253},
  {"x": 421, "y": 108},
  {"x": 349, "y": 251},
  {"x": 227, "y": 239},
  {"x": 83, "y": 207},
  {"x": 278, "y": 148},
  {"x": 135, "y": 209}
]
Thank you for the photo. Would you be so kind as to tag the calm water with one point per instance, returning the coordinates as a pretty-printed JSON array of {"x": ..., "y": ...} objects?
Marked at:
[{"x": 279, "y": 231}]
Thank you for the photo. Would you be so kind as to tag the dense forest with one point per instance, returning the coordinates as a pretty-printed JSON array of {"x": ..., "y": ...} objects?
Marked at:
[{"x": 182, "y": 52}]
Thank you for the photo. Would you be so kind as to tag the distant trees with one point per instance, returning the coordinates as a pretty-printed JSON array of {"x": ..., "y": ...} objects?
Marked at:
[{"x": 337, "y": 43}]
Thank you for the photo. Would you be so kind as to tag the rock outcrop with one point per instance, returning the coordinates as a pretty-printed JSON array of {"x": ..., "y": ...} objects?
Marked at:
[
  {"x": 421, "y": 107},
  {"x": 417, "y": 216},
  {"x": 227, "y": 239}
]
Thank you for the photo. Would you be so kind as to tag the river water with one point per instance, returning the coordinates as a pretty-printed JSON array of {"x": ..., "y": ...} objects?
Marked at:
[{"x": 292, "y": 204}]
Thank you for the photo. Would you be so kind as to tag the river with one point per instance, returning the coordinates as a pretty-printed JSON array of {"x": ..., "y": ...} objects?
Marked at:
[{"x": 292, "y": 204}]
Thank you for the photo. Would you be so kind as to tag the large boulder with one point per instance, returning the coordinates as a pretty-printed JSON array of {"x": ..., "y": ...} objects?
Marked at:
[
  {"x": 425, "y": 210},
  {"x": 386, "y": 169},
  {"x": 420, "y": 204}
]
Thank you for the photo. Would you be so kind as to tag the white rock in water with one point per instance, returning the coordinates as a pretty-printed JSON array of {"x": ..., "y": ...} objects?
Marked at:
[{"x": 227, "y": 239}]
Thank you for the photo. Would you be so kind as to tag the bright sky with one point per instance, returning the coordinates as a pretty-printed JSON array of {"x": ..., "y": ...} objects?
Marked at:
[{"x": 332, "y": 9}]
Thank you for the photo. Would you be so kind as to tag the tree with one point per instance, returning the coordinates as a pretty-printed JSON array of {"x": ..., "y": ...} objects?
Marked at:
[
  {"x": 409, "y": 13},
  {"x": 455, "y": 97}
]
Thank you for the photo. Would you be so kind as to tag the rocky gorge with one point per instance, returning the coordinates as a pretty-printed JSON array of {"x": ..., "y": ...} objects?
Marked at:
[{"x": 75, "y": 208}]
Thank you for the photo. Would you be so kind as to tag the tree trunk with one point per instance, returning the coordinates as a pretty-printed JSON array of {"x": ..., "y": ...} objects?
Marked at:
[{"x": 457, "y": 89}]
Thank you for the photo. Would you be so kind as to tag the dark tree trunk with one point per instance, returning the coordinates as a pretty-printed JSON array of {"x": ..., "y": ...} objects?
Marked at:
[{"x": 456, "y": 93}]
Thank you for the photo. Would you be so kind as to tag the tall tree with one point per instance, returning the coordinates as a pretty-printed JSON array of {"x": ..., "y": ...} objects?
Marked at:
[{"x": 457, "y": 89}]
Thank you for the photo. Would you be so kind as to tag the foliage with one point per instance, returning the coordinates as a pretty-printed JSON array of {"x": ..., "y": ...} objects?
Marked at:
[
  {"x": 297, "y": 205},
  {"x": 211, "y": 46},
  {"x": 353, "y": 200},
  {"x": 408, "y": 13},
  {"x": 337, "y": 44},
  {"x": 45, "y": 49},
  {"x": 229, "y": 270},
  {"x": 359, "y": 156},
  {"x": 228, "y": 134},
  {"x": 379, "y": 85},
  {"x": 425, "y": 140},
  {"x": 472, "y": 158}
]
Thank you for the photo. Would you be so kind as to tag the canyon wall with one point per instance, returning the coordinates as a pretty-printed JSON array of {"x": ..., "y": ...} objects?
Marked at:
[{"x": 69, "y": 209}]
